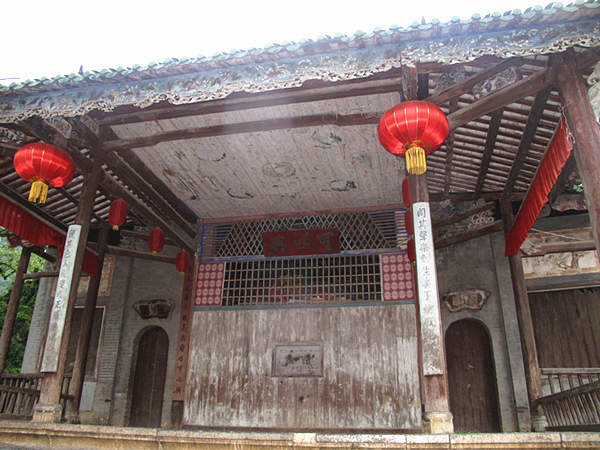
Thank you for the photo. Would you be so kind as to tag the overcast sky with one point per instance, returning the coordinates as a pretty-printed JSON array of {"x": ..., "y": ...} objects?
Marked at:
[{"x": 48, "y": 38}]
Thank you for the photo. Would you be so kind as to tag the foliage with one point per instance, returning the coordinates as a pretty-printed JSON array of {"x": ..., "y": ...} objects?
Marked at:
[{"x": 9, "y": 261}]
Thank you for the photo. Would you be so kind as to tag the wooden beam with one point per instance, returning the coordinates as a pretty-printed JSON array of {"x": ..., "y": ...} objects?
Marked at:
[
  {"x": 468, "y": 235},
  {"x": 464, "y": 196},
  {"x": 409, "y": 85},
  {"x": 141, "y": 186},
  {"x": 562, "y": 247},
  {"x": 490, "y": 143},
  {"x": 253, "y": 126},
  {"x": 422, "y": 85},
  {"x": 585, "y": 130},
  {"x": 110, "y": 187},
  {"x": 138, "y": 166},
  {"x": 533, "y": 121},
  {"x": 253, "y": 101},
  {"x": 113, "y": 250},
  {"x": 74, "y": 201},
  {"x": 449, "y": 150},
  {"x": 41, "y": 252},
  {"x": 457, "y": 217},
  {"x": 528, "y": 86},
  {"x": 563, "y": 178},
  {"x": 531, "y": 361},
  {"x": 467, "y": 85},
  {"x": 142, "y": 236},
  {"x": 38, "y": 275}
]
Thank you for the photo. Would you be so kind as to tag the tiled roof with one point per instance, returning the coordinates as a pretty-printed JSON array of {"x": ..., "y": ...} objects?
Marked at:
[{"x": 534, "y": 16}]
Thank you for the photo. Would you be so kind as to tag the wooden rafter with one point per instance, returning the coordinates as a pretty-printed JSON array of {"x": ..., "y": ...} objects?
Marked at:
[
  {"x": 468, "y": 235},
  {"x": 449, "y": 151},
  {"x": 467, "y": 85},
  {"x": 523, "y": 88},
  {"x": 457, "y": 217},
  {"x": 14, "y": 197},
  {"x": 490, "y": 143},
  {"x": 535, "y": 115}
]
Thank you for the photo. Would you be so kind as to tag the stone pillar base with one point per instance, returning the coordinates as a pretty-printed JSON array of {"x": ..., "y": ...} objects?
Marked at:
[
  {"x": 72, "y": 417},
  {"x": 47, "y": 413},
  {"x": 438, "y": 423},
  {"x": 539, "y": 423}
]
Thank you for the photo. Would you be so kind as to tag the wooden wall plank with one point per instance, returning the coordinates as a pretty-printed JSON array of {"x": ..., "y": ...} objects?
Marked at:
[{"x": 369, "y": 379}]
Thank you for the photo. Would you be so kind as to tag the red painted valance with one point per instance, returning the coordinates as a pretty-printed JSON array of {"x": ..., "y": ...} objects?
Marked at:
[
  {"x": 30, "y": 228},
  {"x": 551, "y": 166}
]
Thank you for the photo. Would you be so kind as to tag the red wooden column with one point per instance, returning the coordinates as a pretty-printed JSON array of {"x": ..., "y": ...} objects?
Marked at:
[
  {"x": 585, "y": 130},
  {"x": 437, "y": 416},
  {"x": 85, "y": 332},
  {"x": 13, "y": 306},
  {"x": 49, "y": 408},
  {"x": 531, "y": 362}
]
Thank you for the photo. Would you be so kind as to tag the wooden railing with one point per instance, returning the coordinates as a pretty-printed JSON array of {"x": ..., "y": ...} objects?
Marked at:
[
  {"x": 556, "y": 380},
  {"x": 574, "y": 399},
  {"x": 20, "y": 392}
]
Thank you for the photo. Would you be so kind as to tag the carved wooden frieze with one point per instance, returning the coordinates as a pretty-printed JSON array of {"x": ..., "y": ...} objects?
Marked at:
[{"x": 466, "y": 299}]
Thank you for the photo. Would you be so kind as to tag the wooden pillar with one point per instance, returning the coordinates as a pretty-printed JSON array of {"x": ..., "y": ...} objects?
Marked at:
[
  {"x": 13, "y": 306},
  {"x": 585, "y": 130},
  {"x": 437, "y": 418},
  {"x": 85, "y": 332},
  {"x": 49, "y": 407},
  {"x": 532, "y": 367}
]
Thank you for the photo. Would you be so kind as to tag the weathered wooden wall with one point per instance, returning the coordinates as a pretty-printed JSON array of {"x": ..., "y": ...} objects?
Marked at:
[
  {"x": 566, "y": 327},
  {"x": 370, "y": 372}
]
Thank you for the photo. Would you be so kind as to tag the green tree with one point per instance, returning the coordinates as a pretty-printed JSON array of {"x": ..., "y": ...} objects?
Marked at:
[{"x": 9, "y": 261}]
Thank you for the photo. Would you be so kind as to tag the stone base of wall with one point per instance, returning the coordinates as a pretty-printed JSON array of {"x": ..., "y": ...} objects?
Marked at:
[{"x": 24, "y": 435}]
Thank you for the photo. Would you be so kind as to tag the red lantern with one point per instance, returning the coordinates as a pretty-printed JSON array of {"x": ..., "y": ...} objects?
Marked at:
[
  {"x": 413, "y": 129},
  {"x": 182, "y": 261},
  {"x": 406, "y": 192},
  {"x": 117, "y": 213},
  {"x": 410, "y": 248},
  {"x": 408, "y": 222},
  {"x": 155, "y": 241},
  {"x": 43, "y": 165}
]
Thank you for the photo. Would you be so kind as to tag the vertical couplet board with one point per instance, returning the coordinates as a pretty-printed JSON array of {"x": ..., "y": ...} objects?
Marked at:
[
  {"x": 183, "y": 339},
  {"x": 61, "y": 301},
  {"x": 429, "y": 306}
]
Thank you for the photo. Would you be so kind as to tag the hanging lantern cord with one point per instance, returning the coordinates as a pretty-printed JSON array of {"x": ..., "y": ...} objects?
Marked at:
[{"x": 415, "y": 159}]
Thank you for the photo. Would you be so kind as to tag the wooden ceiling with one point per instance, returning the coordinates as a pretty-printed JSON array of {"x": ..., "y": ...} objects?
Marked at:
[{"x": 302, "y": 149}]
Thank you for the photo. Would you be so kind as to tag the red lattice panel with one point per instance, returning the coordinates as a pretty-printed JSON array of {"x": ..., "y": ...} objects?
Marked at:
[
  {"x": 396, "y": 277},
  {"x": 209, "y": 288}
]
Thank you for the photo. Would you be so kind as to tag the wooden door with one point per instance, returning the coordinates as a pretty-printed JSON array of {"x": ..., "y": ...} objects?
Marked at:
[
  {"x": 149, "y": 379},
  {"x": 471, "y": 378}
]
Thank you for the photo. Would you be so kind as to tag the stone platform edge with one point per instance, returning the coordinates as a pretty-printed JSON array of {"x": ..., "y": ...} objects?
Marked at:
[{"x": 38, "y": 435}]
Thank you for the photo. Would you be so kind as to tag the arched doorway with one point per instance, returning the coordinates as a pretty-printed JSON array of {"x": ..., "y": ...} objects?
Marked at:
[
  {"x": 471, "y": 377},
  {"x": 149, "y": 378}
]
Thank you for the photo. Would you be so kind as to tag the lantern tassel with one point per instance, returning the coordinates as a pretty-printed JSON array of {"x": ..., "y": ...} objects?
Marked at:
[
  {"x": 154, "y": 253},
  {"x": 38, "y": 192},
  {"x": 415, "y": 161},
  {"x": 115, "y": 227}
]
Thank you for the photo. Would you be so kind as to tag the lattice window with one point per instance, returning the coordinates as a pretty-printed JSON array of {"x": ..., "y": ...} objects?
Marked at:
[
  {"x": 329, "y": 279},
  {"x": 358, "y": 231}
]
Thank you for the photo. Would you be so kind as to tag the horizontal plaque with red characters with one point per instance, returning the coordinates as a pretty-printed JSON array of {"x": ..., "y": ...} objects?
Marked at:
[{"x": 301, "y": 242}]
